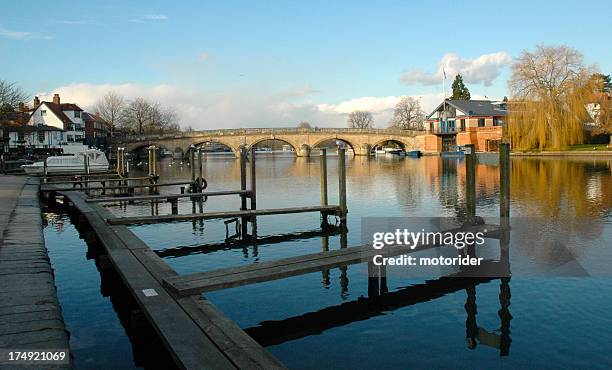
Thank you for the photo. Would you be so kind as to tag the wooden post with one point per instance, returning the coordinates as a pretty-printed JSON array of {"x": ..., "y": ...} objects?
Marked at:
[
  {"x": 323, "y": 160},
  {"x": 253, "y": 180},
  {"x": 253, "y": 191},
  {"x": 243, "y": 180},
  {"x": 243, "y": 187},
  {"x": 118, "y": 160},
  {"x": 200, "y": 175},
  {"x": 45, "y": 170},
  {"x": 504, "y": 184},
  {"x": 342, "y": 185},
  {"x": 470, "y": 181},
  {"x": 86, "y": 164},
  {"x": 174, "y": 205},
  {"x": 192, "y": 165}
]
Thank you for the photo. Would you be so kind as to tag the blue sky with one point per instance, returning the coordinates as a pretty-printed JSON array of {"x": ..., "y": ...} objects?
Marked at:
[{"x": 231, "y": 63}]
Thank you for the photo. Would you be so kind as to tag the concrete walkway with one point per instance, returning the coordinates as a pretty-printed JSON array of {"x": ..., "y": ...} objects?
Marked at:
[{"x": 30, "y": 314}]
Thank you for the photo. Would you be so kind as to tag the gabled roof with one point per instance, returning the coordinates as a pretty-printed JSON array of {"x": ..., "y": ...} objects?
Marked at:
[
  {"x": 57, "y": 110},
  {"x": 90, "y": 117},
  {"x": 69, "y": 106},
  {"x": 473, "y": 107}
]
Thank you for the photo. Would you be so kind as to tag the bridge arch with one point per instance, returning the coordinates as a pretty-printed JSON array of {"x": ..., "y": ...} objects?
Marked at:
[
  {"x": 198, "y": 142},
  {"x": 297, "y": 148},
  {"x": 356, "y": 148}
]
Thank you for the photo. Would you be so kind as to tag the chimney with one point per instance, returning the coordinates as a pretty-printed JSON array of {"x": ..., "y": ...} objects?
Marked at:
[
  {"x": 36, "y": 102},
  {"x": 22, "y": 107},
  {"x": 56, "y": 99}
]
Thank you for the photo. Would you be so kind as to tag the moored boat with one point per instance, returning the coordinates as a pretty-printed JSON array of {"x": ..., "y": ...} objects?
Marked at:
[{"x": 70, "y": 163}]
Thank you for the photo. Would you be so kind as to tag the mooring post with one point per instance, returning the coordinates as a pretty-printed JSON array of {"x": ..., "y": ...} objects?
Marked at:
[
  {"x": 152, "y": 169},
  {"x": 323, "y": 160},
  {"x": 504, "y": 206},
  {"x": 470, "y": 181},
  {"x": 118, "y": 164},
  {"x": 45, "y": 169},
  {"x": 253, "y": 191},
  {"x": 200, "y": 174},
  {"x": 504, "y": 184},
  {"x": 243, "y": 180},
  {"x": 253, "y": 180},
  {"x": 243, "y": 187},
  {"x": 192, "y": 165},
  {"x": 342, "y": 185},
  {"x": 86, "y": 164}
]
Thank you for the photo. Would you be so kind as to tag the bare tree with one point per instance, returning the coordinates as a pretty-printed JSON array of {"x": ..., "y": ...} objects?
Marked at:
[
  {"x": 111, "y": 109},
  {"x": 304, "y": 125},
  {"x": 10, "y": 96},
  {"x": 360, "y": 119},
  {"x": 551, "y": 86},
  {"x": 137, "y": 115},
  {"x": 407, "y": 115}
]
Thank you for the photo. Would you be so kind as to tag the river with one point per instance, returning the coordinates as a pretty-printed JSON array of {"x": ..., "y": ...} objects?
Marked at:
[{"x": 533, "y": 320}]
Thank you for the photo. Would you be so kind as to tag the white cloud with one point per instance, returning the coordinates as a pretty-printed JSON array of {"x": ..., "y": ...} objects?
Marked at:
[
  {"x": 156, "y": 17},
  {"x": 483, "y": 69},
  {"x": 243, "y": 108},
  {"x": 22, "y": 35},
  {"x": 148, "y": 18}
]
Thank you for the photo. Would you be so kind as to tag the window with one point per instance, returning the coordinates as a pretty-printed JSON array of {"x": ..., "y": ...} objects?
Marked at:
[
  {"x": 77, "y": 113},
  {"x": 70, "y": 138},
  {"x": 41, "y": 136},
  {"x": 462, "y": 124},
  {"x": 43, "y": 112},
  {"x": 481, "y": 122},
  {"x": 21, "y": 136},
  {"x": 431, "y": 126},
  {"x": 497, "y": 122}
]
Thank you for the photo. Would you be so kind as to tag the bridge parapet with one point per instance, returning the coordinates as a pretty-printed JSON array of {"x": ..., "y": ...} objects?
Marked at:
[
  {"x": 273, "y": 131},
  {"x": 302, "y": 140}
]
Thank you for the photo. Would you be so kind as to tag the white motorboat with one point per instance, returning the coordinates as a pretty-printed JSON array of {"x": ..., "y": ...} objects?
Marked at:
[{"x": 70, "y": 163}]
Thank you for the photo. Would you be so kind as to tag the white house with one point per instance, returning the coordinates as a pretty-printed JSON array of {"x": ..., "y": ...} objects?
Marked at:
[{"x": 64, "y": 116}]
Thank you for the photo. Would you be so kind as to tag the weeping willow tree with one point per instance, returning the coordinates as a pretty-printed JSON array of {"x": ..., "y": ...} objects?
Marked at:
[{"x": 550, "y": 87}]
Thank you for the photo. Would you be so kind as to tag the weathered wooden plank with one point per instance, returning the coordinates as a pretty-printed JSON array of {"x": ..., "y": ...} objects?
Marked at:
[
  {"x": 273, "y": 270},
  {"x": 52, "y": 187},
  {"x": 216, "y": 215},
  {"x": 136, "y": 263},
  {"x": 168, "y": 196},
  {"x": 185, "y": 341}
]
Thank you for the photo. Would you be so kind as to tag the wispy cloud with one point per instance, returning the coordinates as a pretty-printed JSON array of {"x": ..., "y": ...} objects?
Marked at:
[
  {"x": 149, "y": 18},
  {"x": 22, "y": 35},
  {"x": 243, "y": 107},
  {"x": 71, "y": 22},
  {"x": 483, "y": 69}
]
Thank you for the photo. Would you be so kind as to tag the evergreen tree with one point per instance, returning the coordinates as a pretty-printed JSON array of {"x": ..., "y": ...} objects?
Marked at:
[{"x": 460, "y": 91}]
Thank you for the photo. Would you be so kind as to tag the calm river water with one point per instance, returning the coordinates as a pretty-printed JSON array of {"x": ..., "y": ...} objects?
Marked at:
[{"x": 322, "y": 320}]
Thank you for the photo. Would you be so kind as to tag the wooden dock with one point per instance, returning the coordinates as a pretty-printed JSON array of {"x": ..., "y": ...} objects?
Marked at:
[
  {"x": 194, "y": 331},
  {"x": 30, "y": 314},
  {"x": 282, "y": 268},
  {"x": 218, "y": 215}
]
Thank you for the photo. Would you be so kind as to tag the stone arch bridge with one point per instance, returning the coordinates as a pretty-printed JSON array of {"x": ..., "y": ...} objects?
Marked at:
[{"x": 303, "y": 141}]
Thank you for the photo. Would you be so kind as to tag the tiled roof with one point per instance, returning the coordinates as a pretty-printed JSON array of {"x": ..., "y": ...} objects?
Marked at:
[
  {"x": 473, "y": 107},
  {"x": 57, "y": 110}
]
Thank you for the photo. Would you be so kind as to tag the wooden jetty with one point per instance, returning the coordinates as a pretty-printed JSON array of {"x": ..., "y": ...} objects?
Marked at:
[
  {"x": 30, "y": 313},
  {"x": 194, "y": 331}
]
